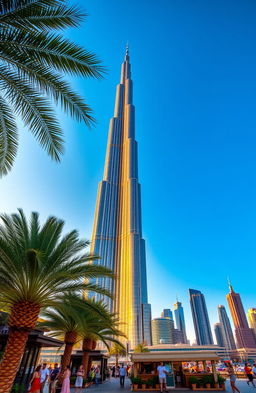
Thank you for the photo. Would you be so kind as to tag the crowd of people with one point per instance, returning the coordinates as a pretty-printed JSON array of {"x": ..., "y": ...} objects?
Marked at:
[{"x": 44, "y": 379}]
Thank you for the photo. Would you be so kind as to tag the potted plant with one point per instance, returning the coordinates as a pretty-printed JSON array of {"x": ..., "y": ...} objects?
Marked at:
[
  {"x": 193, "y": 382},
  {"x": 156, "y": 382},
  {"x": 221, "y": 381},
  {"x": 150, "y": 383},
  {"x": 208, "y": 381},
  {"x": 144, "y": 385},
  {"x": 136, "y": 381},
  {"x": 200, "y": 383}
]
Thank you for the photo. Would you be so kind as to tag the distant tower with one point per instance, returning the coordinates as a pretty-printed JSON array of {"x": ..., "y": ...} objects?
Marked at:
[
  {"x": 252, "y": 319},
  {"x": 200, "y": 318},
  {"x": 228, "y": 337},
  {"x": 162, "y": 331},
  {"x": 180, "y": 320},
  {"x": 218, "y": 335},
  {"x": 167, "y": 313},
  {"x": 117, "y": 233},
  {"x": 244, "y": 335}
]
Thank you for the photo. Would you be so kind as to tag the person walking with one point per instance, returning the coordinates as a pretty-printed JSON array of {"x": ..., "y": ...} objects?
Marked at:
[
  {"x": 97, "y": 375},
  {"x": 79, "y": 379},
  {"x": 162, "y": 372},
  {"x": 53, "y": 378},
  {"x": 254, "y": 370},
  {"x": 122, "y": 373},
  {"x": 35, "y": 381},
  {"x": 44, "y": 377},
  {"x": 232, "y": 378},
  {"x": 248, "y": 372},
  {"x": 66, "y": 381}
]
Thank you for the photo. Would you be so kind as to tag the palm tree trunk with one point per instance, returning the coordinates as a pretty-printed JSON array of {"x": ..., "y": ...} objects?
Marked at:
[
  {"x": 70, "y": 340},
  {"x": 12, "y": 356},
  {"x": 87, "y": 347},
  {"x": 21, "y": 321}
]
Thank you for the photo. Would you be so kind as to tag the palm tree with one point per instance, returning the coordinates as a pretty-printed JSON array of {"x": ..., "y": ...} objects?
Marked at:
[
  {"x": 76, "y": 319},
  {"x": 140, "y": 348},
  {"x": 117, "y": 351},
  {"x": 33, "y": 58},
  {"x": 106, "y": 331},
  {"x": 38, "y": 266}
]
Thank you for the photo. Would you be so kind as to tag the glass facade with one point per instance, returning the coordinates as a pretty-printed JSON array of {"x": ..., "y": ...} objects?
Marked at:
[
  {"x": 228, "y": 337},
  {"x": 117, "y": 234},
  {"x": 180, "y": 320},
  {"x": 200, "y": 318},
  {"x": 162, "y": 331}
]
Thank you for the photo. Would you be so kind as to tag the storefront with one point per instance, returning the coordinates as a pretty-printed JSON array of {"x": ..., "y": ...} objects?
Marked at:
[
  {"x": 96, "y": 358},
  {"x": 181, "y": 365},
  {"x": 36, "y": 341}
]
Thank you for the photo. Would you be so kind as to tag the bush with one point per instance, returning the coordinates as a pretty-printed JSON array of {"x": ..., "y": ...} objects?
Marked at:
[
  {"x": 193, "y": 380},
  {"x": 136, "y": 381},
  {"x": 17, "y": 388},
  {"x": 208, "y": 379},
  {"x": 221, "y": 380}
]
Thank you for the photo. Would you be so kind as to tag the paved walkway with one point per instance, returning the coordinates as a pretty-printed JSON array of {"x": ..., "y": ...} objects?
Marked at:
[{"x": 113, "y": 386}]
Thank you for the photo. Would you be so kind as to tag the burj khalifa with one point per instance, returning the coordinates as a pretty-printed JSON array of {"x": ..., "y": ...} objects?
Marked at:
[{"x": 117, "y": 234}]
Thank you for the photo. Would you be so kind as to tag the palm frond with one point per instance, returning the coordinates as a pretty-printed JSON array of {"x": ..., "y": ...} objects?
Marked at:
[
  {"x": 40, "y": 14},
  {"x": 35, "y": 111},
  {"x": 8, "y": 138},
  {"x": 52, "y": 50}
]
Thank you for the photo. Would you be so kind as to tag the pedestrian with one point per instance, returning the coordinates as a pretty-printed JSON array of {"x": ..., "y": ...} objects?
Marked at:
[
  {"x": 79, "y": 379},
  {"x": 232, "y": 378},
  {"x": 254, "y": 370},
  {"x": 66, "y": 381},
  {"x": 97, "y": 375},
  {"x": 35, "y": 381},
  {"x": 248, "y": 372},
  {"x": 44, "y": 377},
  {"x": 117, "y": 371},
  {"x": 53, "y": 378},
  {"x": 113, "y": 371},
  {"x": 122, "y": 373},
  {"x": 162, "y": 372}
]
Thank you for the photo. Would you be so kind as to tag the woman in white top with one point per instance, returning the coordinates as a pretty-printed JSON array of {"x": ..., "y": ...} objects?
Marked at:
[{"x": 79, "y": 379}]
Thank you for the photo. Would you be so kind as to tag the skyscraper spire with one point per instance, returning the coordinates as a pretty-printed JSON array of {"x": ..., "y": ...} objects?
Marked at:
[
  {"x": 230, "y": 286},
  {"x": 117, "y": 235}
]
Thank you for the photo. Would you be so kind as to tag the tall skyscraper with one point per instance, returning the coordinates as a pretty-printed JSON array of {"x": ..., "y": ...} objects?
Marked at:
[
  {"x": 219, "y": 335},
  {"x": 200, "y": 318},
  {"x": 117, "y": 234},
  {"x": 180, "y": 320},
  {"x": 244, "y": 335},
  {"x": 167, "y": 313},
  {"x": 252, "y": 319},
  {"x": 228, "y": 337},
  {"x": 162, "y": 331}
]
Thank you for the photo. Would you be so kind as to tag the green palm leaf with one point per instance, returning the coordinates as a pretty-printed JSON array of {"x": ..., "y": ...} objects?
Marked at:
[
  {"x": 8, "y": 137},
  {"x": 33, "y": 60}
]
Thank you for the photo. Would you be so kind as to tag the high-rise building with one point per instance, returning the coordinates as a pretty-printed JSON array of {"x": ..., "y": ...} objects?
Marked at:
[
  {"x": 228, "y": 337},
  {"x": 167, "y": 313},
  {"x": 200, "y": 318},
  {"x": 252, "y": 319},
  {"x": 162, "y": 331},
  {"x": 218, "y": 334},
  {"x": 117, "y": 234},
  {"x": 244, "y": 335},
  {"x": 180, "y": 321}
]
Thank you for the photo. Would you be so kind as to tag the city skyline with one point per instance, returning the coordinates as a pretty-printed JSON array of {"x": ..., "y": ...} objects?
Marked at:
[{"x": 197, "y": 143}]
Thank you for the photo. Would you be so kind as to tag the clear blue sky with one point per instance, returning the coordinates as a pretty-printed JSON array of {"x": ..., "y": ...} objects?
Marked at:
[{"x": 193, "y": 65}]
